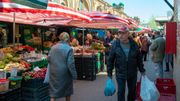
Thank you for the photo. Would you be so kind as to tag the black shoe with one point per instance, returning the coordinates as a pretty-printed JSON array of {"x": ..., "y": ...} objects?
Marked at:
[{"x": 166, "y": 70}]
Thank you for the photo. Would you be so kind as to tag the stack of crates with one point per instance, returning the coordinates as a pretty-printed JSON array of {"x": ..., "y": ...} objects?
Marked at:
[
  {"x": 78, "y": 65},
  {"x": 86, "y": 67},
  {"x": 167, "y": 89},
  {"x": 89, "y": 68},
  {"x": 11, "y": 95},
  {"x": 35, "y": 90}
]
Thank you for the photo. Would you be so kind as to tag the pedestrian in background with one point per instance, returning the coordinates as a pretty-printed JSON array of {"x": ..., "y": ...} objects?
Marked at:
[
  {"x": 169, "y": 60},
  {"x": 126, "y": 57},
  {"x": 107, "y": 44},
  {"x": 145, "y": 46},
  {"x": 157, "y": 49},
  {"x": 136, "y": 38},
  {"x": 61, "y": 69}
]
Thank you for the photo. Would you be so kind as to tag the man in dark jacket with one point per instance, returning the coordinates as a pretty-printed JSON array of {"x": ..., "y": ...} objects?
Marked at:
[{"x": 125, "y": 56}]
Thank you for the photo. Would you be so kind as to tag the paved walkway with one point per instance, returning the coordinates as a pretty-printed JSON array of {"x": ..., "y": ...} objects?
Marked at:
[{"x": 93, "y": 90}]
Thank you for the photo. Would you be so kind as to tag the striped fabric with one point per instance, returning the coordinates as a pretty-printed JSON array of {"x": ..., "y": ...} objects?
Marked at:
[
  {"x": 101, "y": 21},
  {"x": 98, "y": 16},
  {"x": 28, "y": 15}
]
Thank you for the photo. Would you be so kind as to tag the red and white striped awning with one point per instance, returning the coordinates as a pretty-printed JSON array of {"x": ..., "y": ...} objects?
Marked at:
[
  {"x": 30, "y": 15},
  {"x": 132, "y": 23},
  {"x": 106, "y": 17},
  {"x": 101, "y": 20},
  {"x": 145, "y": 29}
]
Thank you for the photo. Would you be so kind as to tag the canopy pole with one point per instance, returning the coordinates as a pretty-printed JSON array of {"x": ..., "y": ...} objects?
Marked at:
[
  {"x": 83, "y": 38},
  {"x": 14, "y": 28}
]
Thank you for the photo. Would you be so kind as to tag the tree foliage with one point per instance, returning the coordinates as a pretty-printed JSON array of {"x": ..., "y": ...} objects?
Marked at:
[{"x": 152, "y": 23}]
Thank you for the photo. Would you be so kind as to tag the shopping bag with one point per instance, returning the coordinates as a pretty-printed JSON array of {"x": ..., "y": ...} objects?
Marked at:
[
  {"x": 148, "y": 90},
  {"x": 46, "y": 79},
  {"x": 109, "y": 87}
]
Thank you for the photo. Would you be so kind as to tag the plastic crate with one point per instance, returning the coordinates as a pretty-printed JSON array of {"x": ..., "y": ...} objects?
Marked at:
[
  {"x": 11, "y": 95},
  {"x": 161, "y": 81},
  {"x": 166, "y": 86},
  {"x": 35, "y": 94},
  {"x": 167, "y": 97},
  {"x": 36, "y": 99},
  {"x": 166, "y": 89},
  {"x": 33, "y": 83}
]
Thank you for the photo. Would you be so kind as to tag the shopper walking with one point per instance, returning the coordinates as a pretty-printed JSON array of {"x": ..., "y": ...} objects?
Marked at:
[
  {"x": 158, "y": 51},
  {"x": 125, "y": 56},
  {"x": 61, "y": 69}
]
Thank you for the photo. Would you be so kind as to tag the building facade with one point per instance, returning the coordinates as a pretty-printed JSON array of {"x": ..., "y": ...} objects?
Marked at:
[{"x": 91, "y": 5}]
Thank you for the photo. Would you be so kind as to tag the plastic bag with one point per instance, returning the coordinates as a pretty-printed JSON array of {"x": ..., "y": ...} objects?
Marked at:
[
  {"x": 148, "y": 91},
  {"x": 46, "y": 79},
  {"x": 109, "y": 88}
]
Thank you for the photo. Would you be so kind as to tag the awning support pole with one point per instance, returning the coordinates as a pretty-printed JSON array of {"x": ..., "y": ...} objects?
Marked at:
[{"x": 14, "y": 27}]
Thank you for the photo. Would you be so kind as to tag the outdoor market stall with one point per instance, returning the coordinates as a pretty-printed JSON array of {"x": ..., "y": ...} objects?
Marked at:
[{"x": 24, "y": 63}]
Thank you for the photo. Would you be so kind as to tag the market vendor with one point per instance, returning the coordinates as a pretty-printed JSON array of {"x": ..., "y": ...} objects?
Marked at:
[
  {"x": 74, "y": 42},
  {"x": 89, "y": 40}
]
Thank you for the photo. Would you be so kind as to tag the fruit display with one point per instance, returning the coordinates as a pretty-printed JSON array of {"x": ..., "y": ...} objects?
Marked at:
[
  {"x": 2, "y": 65},
  {"x": 35, "y": 41},
  {"x": 10, "y": 66},
  {"x": 9, "y": 58},
  {"x": 7, "y": 50},
  {"x": 26, "y": 64},
  {"x": 4, "y": 85},
  {"x": 35, "y": 74},
  {"x": 97, "y": 46},
  {"x": 48, "y": 44},
  {"x": 26, "y": 47}
]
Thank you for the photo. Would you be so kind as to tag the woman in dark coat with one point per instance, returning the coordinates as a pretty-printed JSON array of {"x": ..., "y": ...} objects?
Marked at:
[{"x": 62, "y": 69}]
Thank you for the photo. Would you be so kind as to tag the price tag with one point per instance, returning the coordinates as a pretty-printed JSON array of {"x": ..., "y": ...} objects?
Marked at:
[
  {"x": 14, "y": 72},
  {"x": 37, "y": 68}
]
